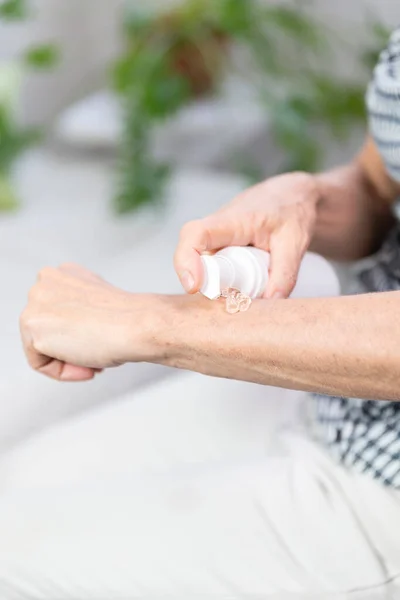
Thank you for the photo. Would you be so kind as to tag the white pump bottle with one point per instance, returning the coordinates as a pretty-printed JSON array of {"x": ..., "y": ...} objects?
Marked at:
[{"x": 246, "y": 269}]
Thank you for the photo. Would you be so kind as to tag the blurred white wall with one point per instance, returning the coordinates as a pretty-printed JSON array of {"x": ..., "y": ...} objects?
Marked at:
[
  {"x": 352, "y": 16},
  {"x": 87, "y": 31},
  {"x": 354, "y": 10}
]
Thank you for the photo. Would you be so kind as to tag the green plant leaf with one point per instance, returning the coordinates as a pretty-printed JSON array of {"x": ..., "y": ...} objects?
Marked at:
[
  {"x": 165, "y": 96},
  {"x": 121, "y": 74},
  {"x": 238, "y": 17},
  {"x": 154, "y": 88},
  {"x": 8, "y": 199},
  {"x": 44, "y": 56},
  {"x": 337, "y": 105},
  {"x": 287, "y": 53},
  {"x": 141, "y": 185},
  {"x": 379, "y": 35},
  {"x": 13, "y": 10},
  {"x": 292, "y": 127},
  {"x": 13, "y": 140},
  {"x": 308, "y": 158},
  {"x": 296, "y": 24},
  {"x": 290, "y": 124}
]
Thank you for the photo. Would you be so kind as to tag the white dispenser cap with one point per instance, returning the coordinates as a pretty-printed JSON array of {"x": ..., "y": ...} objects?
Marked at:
[
  {"x": 218, "y": 273},
  {"x": 246, "y": 269}
]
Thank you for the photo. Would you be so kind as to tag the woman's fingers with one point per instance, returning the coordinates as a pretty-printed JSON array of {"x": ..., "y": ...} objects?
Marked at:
[
  {"x": 282, "y": 209},
  {"x": 51, "y": 367},
  {"x": 56, "y": 369},
  {"x": 287, "y": 248},
  {"x": 73, "y": 373},
  {"x": 199, "y": 237}
]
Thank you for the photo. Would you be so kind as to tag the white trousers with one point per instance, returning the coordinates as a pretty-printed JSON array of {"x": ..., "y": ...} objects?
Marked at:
[{"x": 193, "y": 489}]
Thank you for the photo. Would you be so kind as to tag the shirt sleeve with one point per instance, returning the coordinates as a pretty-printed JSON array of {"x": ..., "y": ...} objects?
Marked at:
[{"x": 383, "y": 103}]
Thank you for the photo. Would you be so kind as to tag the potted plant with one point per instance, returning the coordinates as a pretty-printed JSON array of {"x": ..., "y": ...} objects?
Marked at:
[
  {"x": 15, "y": 139},
  {"x": 171, "y": 58},
  {"x": 168, "y": 61}
]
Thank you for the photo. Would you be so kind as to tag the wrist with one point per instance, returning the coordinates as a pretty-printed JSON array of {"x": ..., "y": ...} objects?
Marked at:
[
  {"x": 352, "y": 217},
  {"x": 175, "y": 328},
  {"x": 155, "y": 327},
  {"x": 144, "y": 328},
  {"x": 374, "y": 175}
]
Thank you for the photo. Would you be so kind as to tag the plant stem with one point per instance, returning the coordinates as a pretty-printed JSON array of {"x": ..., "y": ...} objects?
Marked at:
[{"x": 8, "y": 197}]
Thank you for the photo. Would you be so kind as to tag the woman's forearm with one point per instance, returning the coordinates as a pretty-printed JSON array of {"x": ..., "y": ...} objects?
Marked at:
[
  {"x": 342, "y": 346},
  {"x": 355, "y": 208}
]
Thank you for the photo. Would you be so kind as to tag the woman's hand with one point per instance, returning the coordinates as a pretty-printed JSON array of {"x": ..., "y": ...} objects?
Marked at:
[
  {"x": 76, "y": 324},
  {"x": 278, "y": 216}
]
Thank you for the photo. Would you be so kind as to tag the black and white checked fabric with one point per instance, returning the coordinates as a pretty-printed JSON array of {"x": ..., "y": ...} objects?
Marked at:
[
  {"x": 365, "y": 435},
  {"x": 383, "y": 102}
]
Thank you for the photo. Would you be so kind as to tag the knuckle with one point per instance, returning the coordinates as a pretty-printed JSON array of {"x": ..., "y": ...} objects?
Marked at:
[
  {"x": 26, "y": 320},
  {"x": 46, "y": 273},
  {"x": 37, "y": 293},
  {"x": 260, "y": 220},
  {"x": 297, "y": 236},
  {"x": 70, "y": 265},
  {"x": 196, "y": 235},
  {"x": 191, "y": 228}
]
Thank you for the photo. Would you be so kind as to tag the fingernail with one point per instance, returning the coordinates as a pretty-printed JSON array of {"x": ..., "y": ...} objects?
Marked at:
[{"x": 187, "y": 281}]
